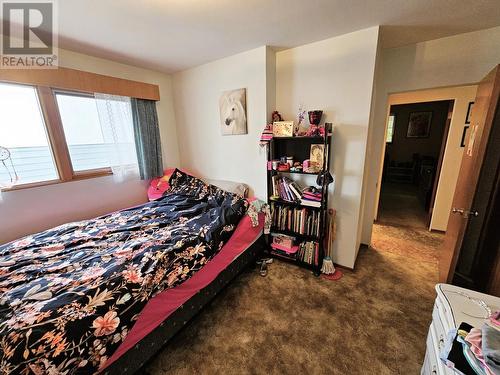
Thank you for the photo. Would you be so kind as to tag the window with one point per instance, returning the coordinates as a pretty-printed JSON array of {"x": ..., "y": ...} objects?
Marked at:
[
  {"x": 82, "y": 130},
  {"x": 44, "y": 110},
  {"x": 390, "y": 128},
  {"x": 23, "y": 133},
  {"x": 49, "y": 136}
]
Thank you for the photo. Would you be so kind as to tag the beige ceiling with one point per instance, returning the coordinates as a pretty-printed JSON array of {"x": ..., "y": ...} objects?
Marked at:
[{"x": 171, "y": 35}]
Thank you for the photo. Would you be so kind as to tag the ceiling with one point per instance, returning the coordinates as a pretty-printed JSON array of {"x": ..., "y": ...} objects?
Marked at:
[{"x": 171, "y": 35}]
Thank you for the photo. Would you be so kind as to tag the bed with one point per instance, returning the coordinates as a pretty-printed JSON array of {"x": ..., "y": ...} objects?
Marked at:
[{"x": 104, "y": 295}]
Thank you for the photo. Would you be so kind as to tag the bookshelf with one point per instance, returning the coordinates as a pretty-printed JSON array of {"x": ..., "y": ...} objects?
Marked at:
[{"x": 290, "y": 217}]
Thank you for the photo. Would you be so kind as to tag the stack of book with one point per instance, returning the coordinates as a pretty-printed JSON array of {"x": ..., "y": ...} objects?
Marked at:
[
  {"x": 298, "y": 220},
  {"x": 311, "y": 197},
  {"x": 286, "y": 189},
  {"x": 308, "y": 252}
]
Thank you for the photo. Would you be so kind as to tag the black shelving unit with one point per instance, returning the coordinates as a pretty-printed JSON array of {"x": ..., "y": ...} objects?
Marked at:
[{"x": 299, "y": 147}]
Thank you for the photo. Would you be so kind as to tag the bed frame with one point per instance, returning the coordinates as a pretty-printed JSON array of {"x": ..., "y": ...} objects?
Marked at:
[{"x": 135, "y": 358}]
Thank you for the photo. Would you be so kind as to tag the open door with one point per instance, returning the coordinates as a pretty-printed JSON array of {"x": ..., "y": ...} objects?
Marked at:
[{"x": 462, "y": 212}]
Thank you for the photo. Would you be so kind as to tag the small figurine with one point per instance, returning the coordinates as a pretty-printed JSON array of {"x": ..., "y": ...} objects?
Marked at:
[
  {"x": 314, "y": 120},
  {"x": 276, "y": 116},
  {"x": 297, "y": 167}
]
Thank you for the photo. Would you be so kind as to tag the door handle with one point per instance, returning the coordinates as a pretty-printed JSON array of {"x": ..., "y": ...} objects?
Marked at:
[{"x": 463, "y": 212}]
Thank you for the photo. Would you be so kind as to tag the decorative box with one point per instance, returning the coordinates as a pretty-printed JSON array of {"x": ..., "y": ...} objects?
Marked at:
[{"x": 283, "y": 129}]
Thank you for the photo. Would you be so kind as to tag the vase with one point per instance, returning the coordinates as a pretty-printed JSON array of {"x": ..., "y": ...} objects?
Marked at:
[{"x": 315, "y": 117}]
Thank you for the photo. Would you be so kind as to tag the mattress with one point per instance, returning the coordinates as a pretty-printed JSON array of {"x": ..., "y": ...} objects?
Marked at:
[{"x": 162, "y": 306}]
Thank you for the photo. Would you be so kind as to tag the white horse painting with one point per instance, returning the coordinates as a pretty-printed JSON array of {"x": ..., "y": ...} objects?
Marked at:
[{"x": 233, "y": 108}]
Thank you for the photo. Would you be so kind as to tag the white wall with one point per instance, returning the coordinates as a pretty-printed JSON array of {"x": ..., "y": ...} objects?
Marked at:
[
  {"x": 34, "y": 209},
  {"x": 450, "y": 167},
  {"x": 203, "y": 150},
  {"x": 335, "y": 75},
  {"x": 270, "y": 82},
  {"x": 458, "y": 60}
]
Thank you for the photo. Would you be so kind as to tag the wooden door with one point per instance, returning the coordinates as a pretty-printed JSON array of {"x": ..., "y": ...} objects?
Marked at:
[{"x": 462, "y": 211}]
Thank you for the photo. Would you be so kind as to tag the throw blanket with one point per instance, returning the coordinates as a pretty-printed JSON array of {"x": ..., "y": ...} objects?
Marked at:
[{"x": 69, "y": 295}]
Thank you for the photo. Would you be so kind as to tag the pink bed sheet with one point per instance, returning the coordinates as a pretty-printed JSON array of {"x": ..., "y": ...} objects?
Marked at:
[{"x": 164, "y": 304}]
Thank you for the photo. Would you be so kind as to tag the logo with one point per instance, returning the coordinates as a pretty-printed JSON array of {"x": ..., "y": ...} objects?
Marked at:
[{"x": 29, "y": 37}]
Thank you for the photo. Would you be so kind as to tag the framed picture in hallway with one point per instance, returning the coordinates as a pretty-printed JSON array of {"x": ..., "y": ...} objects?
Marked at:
[
  {"x": 464, "y": 136},
  {"x": 469, "y": 112},
  {"x": 419, "y": 124}
]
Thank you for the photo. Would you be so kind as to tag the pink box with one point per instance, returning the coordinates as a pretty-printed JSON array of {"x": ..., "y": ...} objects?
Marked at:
[
  {"x": 291, "y": 250},
  {"x": 283, "y": 240}
]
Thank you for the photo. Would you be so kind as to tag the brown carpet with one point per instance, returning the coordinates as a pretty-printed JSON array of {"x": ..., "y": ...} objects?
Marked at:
[{"x": 372, "y": 321}]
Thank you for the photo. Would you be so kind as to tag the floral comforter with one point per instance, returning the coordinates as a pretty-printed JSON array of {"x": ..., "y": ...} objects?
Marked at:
[{"x": 69, "y": 295}]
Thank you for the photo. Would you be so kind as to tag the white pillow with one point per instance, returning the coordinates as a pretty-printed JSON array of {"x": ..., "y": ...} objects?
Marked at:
[{"x": 230, "y": 186}]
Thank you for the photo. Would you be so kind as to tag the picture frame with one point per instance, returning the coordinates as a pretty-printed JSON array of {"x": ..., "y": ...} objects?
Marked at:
[
  {"x": 419, "y": 124},
  {"x": 464, "y": 136},
  {"x": 283, "y": 129},
  {"x": 469, "y": 112},
  {"x": 233, "y": 112},
  {"x": 316, "y": 155}
]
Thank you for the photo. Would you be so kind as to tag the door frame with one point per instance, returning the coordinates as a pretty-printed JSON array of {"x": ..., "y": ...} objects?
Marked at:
[
  {"x": 419, "y": 96},
  {"x": 439, "y": 164}
]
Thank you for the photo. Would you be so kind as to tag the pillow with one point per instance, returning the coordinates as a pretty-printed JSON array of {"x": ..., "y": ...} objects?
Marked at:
[
  {"x": 159, "y": 185},
  {"x": 230, "y": 186},
  {"x": 183, "y": 183}
]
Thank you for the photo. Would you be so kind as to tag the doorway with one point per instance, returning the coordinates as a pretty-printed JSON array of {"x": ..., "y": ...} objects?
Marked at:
[
  {"x": 445, "y": 179},
  {"x": 411, "y": 213},
  {"x": 467, "y": 158},
  {"x": 415, "y": 144}
]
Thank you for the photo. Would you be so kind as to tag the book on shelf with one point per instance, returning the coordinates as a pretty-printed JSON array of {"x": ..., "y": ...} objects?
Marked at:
[
  {"x": 288, "y": 190},
  {"x": 308, "y": 252},
  {"x": 295, "y": 189},
  {"x": 298, "y": 220},
  {"x": 312, "y": 193},
  {"x": 311, "y": 197},
  {"x": 309, "y": 203}
]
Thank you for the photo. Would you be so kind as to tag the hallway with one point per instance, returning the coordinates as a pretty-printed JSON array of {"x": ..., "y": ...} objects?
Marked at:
[
  {"x": 400, "y": 206},
  {"x": 402, "y": 225}
]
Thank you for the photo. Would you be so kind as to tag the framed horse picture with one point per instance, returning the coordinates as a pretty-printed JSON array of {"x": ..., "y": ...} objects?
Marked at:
[{"x": 233, "y": 112}]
